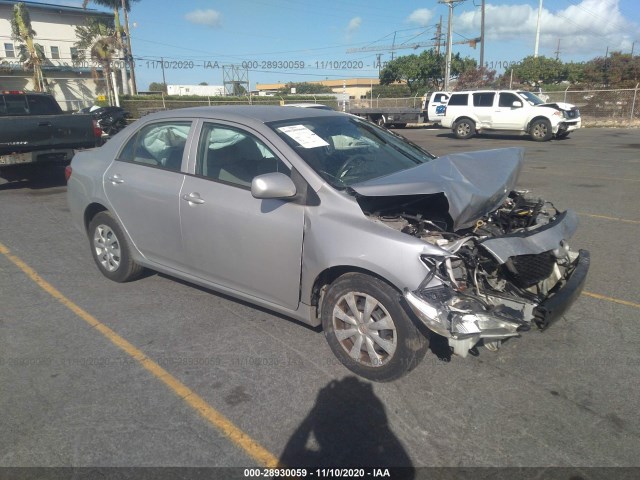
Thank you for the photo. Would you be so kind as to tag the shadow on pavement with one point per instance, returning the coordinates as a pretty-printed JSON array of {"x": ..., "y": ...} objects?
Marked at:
[
  {"x": 347, "y": 428},
  {"x": 33, "y": 177}
]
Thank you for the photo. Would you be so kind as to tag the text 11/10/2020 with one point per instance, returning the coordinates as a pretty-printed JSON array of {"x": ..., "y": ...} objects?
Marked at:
[{"x": 259, "y": 65}]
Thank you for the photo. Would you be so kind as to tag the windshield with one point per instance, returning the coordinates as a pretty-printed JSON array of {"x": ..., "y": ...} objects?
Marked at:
[
  {"x": 345, "y": 150},
  {"x": 531, "y": 98}
]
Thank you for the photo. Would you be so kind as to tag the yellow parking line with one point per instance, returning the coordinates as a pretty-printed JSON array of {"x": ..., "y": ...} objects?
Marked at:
[
  {"x": 604, "y": 217},
  {"x": 611, "y": 299},
  {"x": 215, "y": 418}
]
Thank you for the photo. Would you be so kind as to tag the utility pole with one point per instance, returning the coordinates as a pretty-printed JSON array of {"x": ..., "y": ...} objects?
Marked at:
[
  {"x": 438, "y": 37},
  {"x": 535, "y": 51},
  {"x": 482, "y": 35},
  {"x": 447, "y": 71},
  {"x": 130, "y": 60},
  {"x": 393, "y": 45},
  {"x": 557, "y": 52},
  {"x": 164, "y": 80}
]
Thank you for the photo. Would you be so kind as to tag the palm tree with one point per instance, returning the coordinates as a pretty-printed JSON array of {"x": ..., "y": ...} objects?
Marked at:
[
  {"x": 31, "y": 54},
  {"x": 115, "y": 5},
  {"x": 98, "y": 38}
]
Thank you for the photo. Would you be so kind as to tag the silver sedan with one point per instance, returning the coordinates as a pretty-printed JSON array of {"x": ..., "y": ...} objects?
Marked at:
[{"x": 333, "y": 221}]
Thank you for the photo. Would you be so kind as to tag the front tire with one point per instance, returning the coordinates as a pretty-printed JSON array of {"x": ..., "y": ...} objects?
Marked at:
[
  {"x": 110, "y": 250},
  {"x": 368, "y": 330},
  {"x": 540, "y": 130},
  {"x": 464, "y": 128}
]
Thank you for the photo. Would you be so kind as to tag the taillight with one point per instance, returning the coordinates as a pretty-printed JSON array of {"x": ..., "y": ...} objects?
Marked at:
[
  {"x": 67, "y": 173},
  {"x": 97, "y": 131}
]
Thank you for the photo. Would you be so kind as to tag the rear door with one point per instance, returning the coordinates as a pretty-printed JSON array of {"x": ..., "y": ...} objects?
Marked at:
[
  {"x": 483, "y": 107},
  {"x": 232, "y": 239},
  {"x": 143, "y": 186}
]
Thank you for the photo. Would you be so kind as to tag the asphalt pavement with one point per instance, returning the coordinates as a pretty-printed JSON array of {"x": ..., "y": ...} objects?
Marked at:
[{"x": 159, "y": 372}]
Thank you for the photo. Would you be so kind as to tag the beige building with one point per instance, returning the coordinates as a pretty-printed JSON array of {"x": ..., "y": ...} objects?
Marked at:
[
  {"x": 355, "y": 88},
  {"x": 68, "y": 75}
]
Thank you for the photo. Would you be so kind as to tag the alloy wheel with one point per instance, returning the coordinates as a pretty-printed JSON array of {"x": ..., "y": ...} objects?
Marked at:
[{"x": 365, "y": 329}]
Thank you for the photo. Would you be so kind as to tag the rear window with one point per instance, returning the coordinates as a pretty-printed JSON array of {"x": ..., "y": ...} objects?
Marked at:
[
  {"x": 458, "y": 99},
  {"x": 483, "y": 99},
  {"x": 28, "y": 105}
]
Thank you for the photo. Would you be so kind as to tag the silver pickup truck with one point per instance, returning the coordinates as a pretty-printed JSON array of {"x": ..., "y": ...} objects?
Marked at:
[{"x": 33, "y": 128}]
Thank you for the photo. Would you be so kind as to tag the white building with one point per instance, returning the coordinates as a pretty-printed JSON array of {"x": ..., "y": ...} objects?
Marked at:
[
  {"x": 198, "y": 90},
  {"x": 72, "y": 84}
]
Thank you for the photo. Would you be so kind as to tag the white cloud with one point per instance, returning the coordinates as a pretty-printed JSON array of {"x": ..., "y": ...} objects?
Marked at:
[
  {"x": 584, "y": 28},
  {"x": 354, "y": 25},
  {"x": 209, "y": 18},
  {"x": 421, "y": 16}
]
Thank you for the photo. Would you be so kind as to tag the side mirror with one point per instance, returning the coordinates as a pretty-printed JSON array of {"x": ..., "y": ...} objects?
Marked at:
[
  {"x": 517, "y": 104},
  {"x": 273, "y": 185}
]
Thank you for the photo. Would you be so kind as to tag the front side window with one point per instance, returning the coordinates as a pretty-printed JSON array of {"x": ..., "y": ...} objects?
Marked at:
[
  {"x": 507, "y": 99},
  {"x": 158, "y": 145},
  {"x": 55, "y": 53},
  {"x": 9, "y": 51},
  {"x": 345, "y": 150},
  {"x": 483, "y": 99},
  {"x": 234, "y": 156}
]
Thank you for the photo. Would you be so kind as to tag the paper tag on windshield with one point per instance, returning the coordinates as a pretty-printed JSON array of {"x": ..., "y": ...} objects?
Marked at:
[{"x": 305, "y": 137}]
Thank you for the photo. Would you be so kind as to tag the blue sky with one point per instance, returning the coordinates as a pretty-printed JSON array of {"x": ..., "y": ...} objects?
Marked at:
[{"x": 197, "y": 37}]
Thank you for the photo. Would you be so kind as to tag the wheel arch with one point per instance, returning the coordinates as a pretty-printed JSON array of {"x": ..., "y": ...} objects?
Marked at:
[
  {"x": 331, "y": 274},
  {"x": 464, "y": 117},
  {"x": 538, "y": 117},
  {"x": 91, "y": 211}
]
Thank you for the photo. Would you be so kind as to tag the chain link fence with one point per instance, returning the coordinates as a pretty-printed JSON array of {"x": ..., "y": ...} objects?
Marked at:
[
  {"x": 597, "y": 107},
  {"x": 602, "y": 107}
]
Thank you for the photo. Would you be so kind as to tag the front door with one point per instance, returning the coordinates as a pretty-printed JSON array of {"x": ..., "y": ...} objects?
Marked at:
[
  {"x": 506, "y": 116},
  {"x": 232, "y": 239}
]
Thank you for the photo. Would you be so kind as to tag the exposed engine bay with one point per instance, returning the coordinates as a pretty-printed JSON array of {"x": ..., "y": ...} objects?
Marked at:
[{"x": 491, "y": 280}]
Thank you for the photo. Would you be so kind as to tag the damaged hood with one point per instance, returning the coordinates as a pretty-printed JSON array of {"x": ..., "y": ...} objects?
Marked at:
[{"x": 473, "y": 183}]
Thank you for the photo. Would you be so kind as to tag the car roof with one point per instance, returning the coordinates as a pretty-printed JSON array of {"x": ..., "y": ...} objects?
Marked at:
[{"x": 245, "y": 113}]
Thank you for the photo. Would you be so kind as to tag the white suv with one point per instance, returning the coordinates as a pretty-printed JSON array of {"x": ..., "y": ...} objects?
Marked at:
[{"x": 469, "y": 113}]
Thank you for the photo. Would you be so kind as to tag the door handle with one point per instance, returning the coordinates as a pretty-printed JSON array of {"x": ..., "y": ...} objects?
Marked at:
[
  {"x": 115, "y": 179},
  {"x": 193, "y": 197},
  {"x": 44, "y": 124}
]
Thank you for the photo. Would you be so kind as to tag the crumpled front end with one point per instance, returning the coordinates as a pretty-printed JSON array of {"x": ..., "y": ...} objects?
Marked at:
[{"x": 511, "y": 272}]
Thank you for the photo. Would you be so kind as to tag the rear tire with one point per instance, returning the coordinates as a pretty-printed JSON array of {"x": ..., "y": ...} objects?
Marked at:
[
  {"x": 464, "y": 128},
  {"x": 110, "y": 250},
  {"x": 540, "y": 130},
  {"x": 368, "y": 330}
]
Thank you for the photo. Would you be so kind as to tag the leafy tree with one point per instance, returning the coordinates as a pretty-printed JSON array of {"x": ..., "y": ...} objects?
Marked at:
[
  {"x": 31, "y": 54},
  {"x": 158, "y": 87},
  {"x": 305, "y": 88},
  {"x": 98, "y": 38},
  {"x": 473, "y": 78},
  {"x": 536, "y": 71},
  {"x": 423, "y": 72},
  {"x": 115, "y": 5},
  {"x": 618, "y": 70},
  {"x": 390, "y": 91},
  {"x": 238, "y": 90},
  {"x": 203, "y": 84}
]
